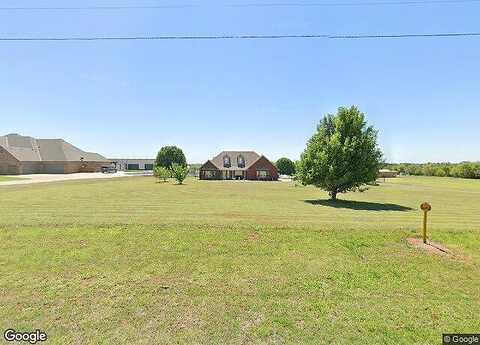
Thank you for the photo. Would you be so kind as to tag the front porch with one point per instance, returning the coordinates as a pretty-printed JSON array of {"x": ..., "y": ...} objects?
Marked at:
[
  {"x": 223, "y": 175},
  {"x": 233, "y": 175}
]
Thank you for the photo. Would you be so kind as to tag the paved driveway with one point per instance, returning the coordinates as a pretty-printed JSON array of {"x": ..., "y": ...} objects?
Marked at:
[{"x": 42, "y": 178}]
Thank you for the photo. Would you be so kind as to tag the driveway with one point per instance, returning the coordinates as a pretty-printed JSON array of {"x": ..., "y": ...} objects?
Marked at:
[{"x": 42, "y": 178}]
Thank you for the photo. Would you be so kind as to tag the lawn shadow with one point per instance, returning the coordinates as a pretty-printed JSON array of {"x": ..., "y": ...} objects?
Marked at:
[{"x": 359, "y": 205}]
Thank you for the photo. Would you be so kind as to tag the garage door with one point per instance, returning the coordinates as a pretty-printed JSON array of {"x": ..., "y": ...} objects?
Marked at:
[
  {"x": 54, "y": 169},
  {"x": 12, "y": 170},
  {"x": 31, "y": 168}
]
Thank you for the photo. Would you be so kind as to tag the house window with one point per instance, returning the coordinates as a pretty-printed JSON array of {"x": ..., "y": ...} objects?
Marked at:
[
  {"x": 226, "y": 162},
  {"x": 263, "y": 173},
  {"x": 241, "y": 162},
  {"x": 209, "y": 174}
]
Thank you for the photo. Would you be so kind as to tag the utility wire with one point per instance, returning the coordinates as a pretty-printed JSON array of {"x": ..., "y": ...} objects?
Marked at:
[
  {"x": 241, "y": 37},
  {"x": 272, "y": 4}
]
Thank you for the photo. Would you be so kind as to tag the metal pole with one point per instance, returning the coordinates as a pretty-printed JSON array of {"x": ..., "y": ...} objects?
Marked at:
[{"x": 425, "y": 227}]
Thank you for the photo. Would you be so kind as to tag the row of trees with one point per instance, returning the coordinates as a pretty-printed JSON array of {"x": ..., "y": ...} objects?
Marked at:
[
  {"x": 171, "y": 162},
  {"x": 463, "y": 170}
]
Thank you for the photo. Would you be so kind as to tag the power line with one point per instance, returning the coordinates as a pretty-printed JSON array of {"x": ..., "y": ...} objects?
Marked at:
[
  {"x": 133, "y": 7},
  {"x": 242, "y": 37},
  {"x": 366, "y": 3},
  {"x": 438, "y": 35},
  {"x": 272, "y": 4}
]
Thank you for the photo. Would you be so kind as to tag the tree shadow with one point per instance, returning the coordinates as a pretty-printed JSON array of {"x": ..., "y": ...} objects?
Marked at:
[{"x": 359, "y": 205}]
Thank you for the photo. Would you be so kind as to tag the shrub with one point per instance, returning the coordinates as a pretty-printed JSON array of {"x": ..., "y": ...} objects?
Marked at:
[
  {"x": 161, "y": 173},
  {"x": 179, "y": 172}
]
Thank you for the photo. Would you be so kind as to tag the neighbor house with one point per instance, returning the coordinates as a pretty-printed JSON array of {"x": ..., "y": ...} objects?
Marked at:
[
  {"x": 26, "y": 155},
  {"x": 125, "y": 164},
  {"x": 239, "y": 165},
  {"x": 387, "y": 173}
]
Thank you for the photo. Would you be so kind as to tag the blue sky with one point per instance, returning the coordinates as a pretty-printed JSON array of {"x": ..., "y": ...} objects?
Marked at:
[{"x": 129, "y": 98}]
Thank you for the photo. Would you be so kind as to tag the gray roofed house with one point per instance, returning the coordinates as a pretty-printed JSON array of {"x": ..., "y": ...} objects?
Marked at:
[
  {"x": 238, "y": 165},
  {"x": 26, "y": 155},
  {"x": 249, "y": 157}
]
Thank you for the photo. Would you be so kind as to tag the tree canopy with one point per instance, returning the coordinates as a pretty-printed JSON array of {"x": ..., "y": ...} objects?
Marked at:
[
  {"x": 285, "y": 166},
  {"x": 169, "y": 155},
  {"x": 342, "y": 155}
]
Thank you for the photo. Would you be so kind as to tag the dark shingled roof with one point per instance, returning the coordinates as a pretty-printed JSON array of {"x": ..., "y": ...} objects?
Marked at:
[
  {"x": 250, "y": 157},
  {"x": 28, "y": 149}
]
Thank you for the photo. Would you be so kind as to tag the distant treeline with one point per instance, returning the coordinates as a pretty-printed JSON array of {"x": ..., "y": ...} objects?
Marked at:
[{"x": 462, "y": 170}]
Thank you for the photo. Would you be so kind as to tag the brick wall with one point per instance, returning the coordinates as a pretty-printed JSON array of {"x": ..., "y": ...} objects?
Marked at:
[
  {"x": 262, "y": 164},
  {"x": 8, "y": 164}
]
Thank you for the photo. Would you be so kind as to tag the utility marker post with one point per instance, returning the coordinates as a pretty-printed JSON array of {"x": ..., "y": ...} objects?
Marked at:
[{"x": 426, "y": 207}]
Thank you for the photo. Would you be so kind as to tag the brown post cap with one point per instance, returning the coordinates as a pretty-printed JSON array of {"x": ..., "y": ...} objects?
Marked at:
[{"x": 426, "y": 207}]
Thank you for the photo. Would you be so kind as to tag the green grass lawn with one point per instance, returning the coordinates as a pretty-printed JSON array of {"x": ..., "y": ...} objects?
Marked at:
[
  {"x": 131, "y": 261},
  {"x": 9, "y": 178}
]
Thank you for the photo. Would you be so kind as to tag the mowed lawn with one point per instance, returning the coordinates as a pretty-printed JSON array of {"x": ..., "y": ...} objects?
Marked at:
[
  {"x": 132, "y": 261},
  {"x": 9, "y": 178}
]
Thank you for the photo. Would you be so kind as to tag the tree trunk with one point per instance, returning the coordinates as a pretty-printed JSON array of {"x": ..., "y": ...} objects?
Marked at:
[{"x": 333, "y": 195}]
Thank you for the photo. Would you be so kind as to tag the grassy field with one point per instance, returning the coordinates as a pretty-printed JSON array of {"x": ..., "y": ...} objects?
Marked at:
[
  {"x": 9, "y": 178},
  {"x": 131, "y": 261}
]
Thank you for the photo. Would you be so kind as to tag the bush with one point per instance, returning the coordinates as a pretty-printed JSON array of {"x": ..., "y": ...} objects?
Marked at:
[
  {"x": 285, "y": 166},
  {"x": 179, "y": 172},
  {"x": 161, "y": 173}
]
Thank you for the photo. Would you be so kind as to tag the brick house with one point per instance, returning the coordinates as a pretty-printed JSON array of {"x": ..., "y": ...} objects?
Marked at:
[
  {"x": 239, "y": 165},
  {"x": 26, "y": 155}
]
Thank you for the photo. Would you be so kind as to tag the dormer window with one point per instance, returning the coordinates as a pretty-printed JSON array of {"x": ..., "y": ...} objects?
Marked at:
[
  {"x": 241, "y": 162},
  {"x": 226, "y": 162}
]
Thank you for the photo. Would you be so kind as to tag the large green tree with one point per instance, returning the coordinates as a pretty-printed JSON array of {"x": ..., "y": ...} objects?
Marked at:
[
  {"x": 285, "y": 166},
  {"x": 342, "y": 155},
  {"x": 169, "y": 155}
]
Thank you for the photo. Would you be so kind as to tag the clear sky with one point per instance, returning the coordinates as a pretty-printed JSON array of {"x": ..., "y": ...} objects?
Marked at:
[{"x": 129, "y": 98}]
